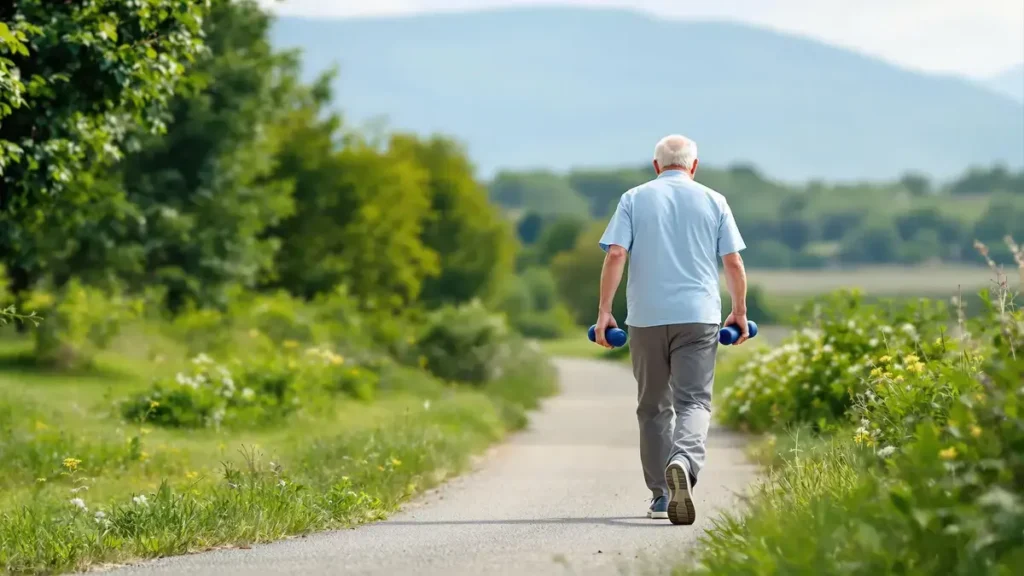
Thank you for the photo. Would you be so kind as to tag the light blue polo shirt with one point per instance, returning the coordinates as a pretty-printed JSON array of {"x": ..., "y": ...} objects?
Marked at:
[{"x": 675, "y": 230}]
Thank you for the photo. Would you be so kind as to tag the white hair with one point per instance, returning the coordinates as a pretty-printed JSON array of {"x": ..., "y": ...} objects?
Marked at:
[{"x": 676, "y": 150}]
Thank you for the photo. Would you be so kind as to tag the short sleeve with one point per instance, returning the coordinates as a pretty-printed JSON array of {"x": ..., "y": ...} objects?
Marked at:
[
  {"x": 620, "y": 228},
  {"x": 729, "y": 238}
]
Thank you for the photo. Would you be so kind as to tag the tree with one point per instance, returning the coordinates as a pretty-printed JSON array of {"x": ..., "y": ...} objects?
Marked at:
[
  {"x": 578, "y": 274},
  {"x": 529, "y": 227},
  {"x": 543, "y": 192},
  {"x": 76, "y": 80},
  {"x": 475, "y": 245},
  {"x": 558, "y": 236}
]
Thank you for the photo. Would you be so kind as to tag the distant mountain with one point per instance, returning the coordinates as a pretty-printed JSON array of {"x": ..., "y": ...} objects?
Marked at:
[
  {"x": 1010, "y": 83},
  {"x": 560, "y": 87}
]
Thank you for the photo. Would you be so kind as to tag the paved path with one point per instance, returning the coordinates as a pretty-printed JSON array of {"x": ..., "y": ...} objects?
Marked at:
[{"x": 565, "y": 497}]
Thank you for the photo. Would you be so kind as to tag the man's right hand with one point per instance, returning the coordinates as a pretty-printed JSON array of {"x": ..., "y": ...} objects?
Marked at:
[{"x": 739, "y": 321}]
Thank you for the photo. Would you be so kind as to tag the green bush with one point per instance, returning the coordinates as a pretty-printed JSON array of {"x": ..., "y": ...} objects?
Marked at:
[
  {"x": 265, "y": 387},
  {"x": 466, "y": 343},
  {"x": 944, "y": 499},
  {"x": 80, "y": 322},
  {"x": 816, "y": 374}
]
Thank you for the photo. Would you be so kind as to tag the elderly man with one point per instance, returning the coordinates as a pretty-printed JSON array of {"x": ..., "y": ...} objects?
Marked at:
[{"x": 674, "y": 230}]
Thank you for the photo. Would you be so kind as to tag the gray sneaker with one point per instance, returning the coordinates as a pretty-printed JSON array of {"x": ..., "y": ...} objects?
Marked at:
[
  {"x": 680, "y": 504},
  {"x": 658, "y": 509}
]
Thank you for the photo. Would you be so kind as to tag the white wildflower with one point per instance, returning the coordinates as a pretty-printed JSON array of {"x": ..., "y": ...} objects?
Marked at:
[
  {"x": 426, "y": 404},
  {"x": 140, "y": 500},
  {"x": 886, "y": 451},
  {"x": 79, "y": 503},
  {"x": 247, "y": 393}
]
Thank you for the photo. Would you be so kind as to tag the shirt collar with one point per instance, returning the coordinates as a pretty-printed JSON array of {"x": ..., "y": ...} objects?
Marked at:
[{"x": 671, "y": 173}]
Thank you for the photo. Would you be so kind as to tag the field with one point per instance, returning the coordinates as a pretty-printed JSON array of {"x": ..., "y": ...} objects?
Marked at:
[{"x": 937, "y": 281}]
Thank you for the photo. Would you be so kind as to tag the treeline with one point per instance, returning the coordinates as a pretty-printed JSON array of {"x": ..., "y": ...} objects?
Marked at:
[
  {"x": 813, "y": 225},
  {"x": 168, "y": 148}
]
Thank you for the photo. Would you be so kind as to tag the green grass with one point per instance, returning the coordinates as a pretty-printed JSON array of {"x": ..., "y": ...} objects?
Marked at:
[{"x": 165, "y": 491}]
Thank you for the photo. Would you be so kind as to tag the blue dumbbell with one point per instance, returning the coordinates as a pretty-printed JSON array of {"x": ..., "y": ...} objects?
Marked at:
[
  {"x": 615, "y": 336},
  {"x": 730, "y": 334}
]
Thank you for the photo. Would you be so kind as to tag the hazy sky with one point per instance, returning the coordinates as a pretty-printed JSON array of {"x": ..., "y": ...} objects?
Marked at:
[{"x": 968, "y": 37}]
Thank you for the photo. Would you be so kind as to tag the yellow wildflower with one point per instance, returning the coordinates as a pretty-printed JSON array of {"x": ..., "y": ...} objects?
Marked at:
[
  {"x": 145, "y": 431},
  {"x": 396, "y": 462},
  {"x": 885, "y": 358},
  {"x": 337, "y": 360},
  {"x": 191, "y": 475},
  {"x": 898, "y": 379},
  {"x": 911, "y": 358},
  {"x": 381, "y": 468},
  {"x": 290, "y": 344},
  {"x": 153, "y": 404},
  {"x": 948, "y": 453},
  {"x": 41, "y": 480},
  {"x": 72, "y": 463},
  {"x": 253, "y": 333},
  {"x": 975, "y": 431},
  {"x": 144, "y": 456},
  {"x": 876, "y": 372}
]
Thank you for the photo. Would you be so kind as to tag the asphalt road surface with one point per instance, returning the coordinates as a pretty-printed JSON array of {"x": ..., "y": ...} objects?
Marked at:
[{"x": 566, "y": 496}]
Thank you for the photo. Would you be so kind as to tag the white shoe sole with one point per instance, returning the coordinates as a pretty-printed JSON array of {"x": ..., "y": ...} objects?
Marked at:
[
  {"x": 680, "y": 504},
  {"x": 657, "y": 515}
]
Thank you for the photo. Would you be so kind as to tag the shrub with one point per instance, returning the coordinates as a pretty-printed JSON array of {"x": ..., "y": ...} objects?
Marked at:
[
  {"x": 264, "y": 388},
  {"x": 80, "y": 322},
  {"x": 817, "y": 372},
  {"x": 466, "y": 343}
]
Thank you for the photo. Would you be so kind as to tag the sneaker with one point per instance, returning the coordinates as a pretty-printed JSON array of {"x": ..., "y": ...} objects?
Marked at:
[
  {"x": 658, "y": 509},
  {"x": 680, "y": 504}
]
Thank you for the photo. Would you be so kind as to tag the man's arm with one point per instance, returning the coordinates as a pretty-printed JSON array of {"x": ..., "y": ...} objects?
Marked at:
[
  {"x": 611, "y": 277},
  {"x": 736, "y": 277}
]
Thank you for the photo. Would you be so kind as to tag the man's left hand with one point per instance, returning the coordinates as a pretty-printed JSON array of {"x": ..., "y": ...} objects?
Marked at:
[{"x": 605, "y": 320}]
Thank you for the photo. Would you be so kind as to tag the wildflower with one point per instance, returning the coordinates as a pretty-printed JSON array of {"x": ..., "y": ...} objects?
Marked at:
[
  {"x": 875, "y": 372},
  {"x": 254, "y": 333},
  {"x": 153, "y": 404},
  {"x": 396, "y": 462},
  {"x": 948, "y": 453},
  {"x": 337, "y": 360},
  {"x": 145, "y": 431},
  {"x": 910, "y": 358},
  {"x": 282, "y": 483},
  {"x": 975, "y": 431},
  {"x": 79, "y": 503},
  {"x": 41, "y": 480},
  {"x": 885, "y": 359},
  {"x": 140, "y": 500},
  {"x": 79, "y": 489},
  {"x": 886, "y": 451},
  {"x": 144, "y": 456},
  {"x": 72, "y": 463},
  {"x": 191, "y": 475},
  {"x": 898, "y": 379},
  {"x": 426, "y": 404},
  {"x": 248, "y": 394},
  {"x": 100, "y": 515},
  {"x": 290, "y": 344}
]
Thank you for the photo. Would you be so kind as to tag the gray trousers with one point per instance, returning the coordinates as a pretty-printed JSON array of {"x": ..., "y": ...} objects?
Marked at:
[{"x": 674, "y": 366}]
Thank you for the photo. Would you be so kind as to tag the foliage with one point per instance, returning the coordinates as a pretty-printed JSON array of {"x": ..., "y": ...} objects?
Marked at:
[
  {"x": 474, "y": 244},
  {"x": 464, "y": 343},
  {"x": 268, "y": 385},
  {"x": 929, "y": 482},
  {"x": 81, "y": 322},
  {"x": 816, "y": 373},
  {"x": 814, "y": 225},
  {"x": 76, "y": 80}
]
